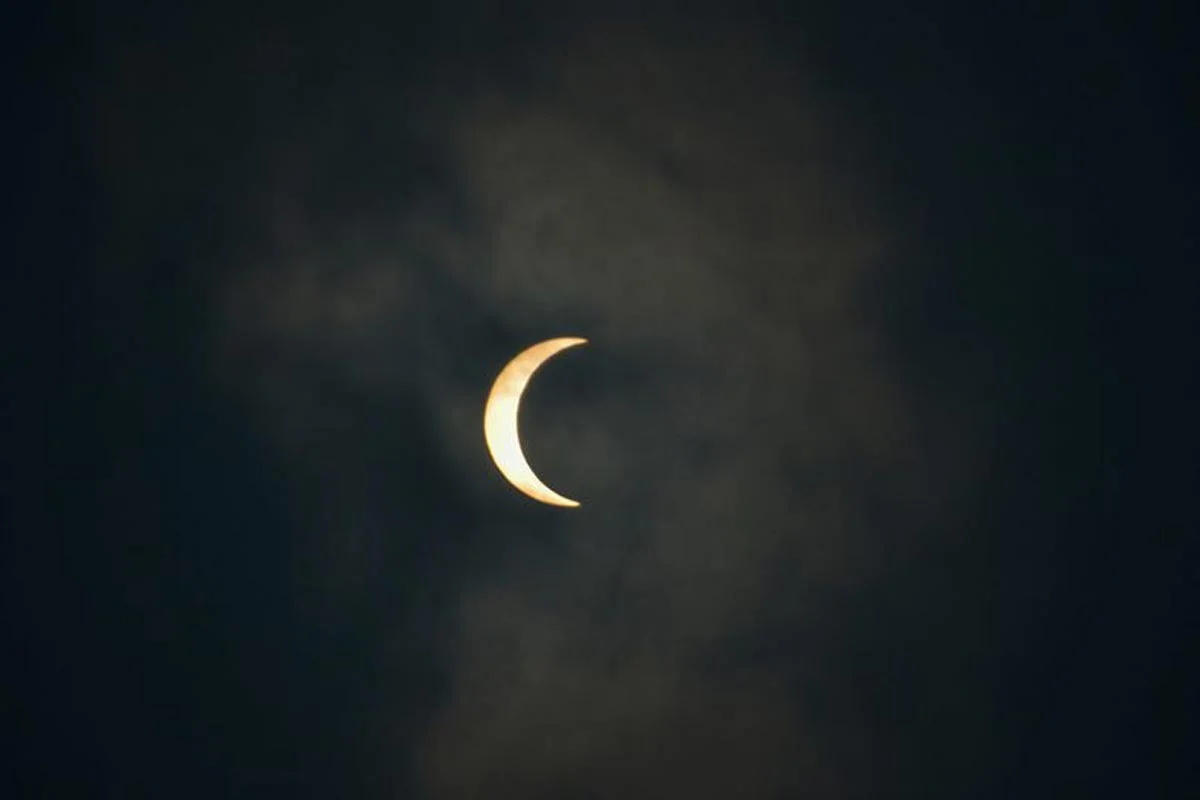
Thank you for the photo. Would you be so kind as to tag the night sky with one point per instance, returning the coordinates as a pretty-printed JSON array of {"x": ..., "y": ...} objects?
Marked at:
[{"x": 883, "y": 433}]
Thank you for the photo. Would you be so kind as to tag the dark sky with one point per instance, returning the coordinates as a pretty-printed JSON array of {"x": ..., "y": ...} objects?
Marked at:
[{"x": 883, "y": 435}]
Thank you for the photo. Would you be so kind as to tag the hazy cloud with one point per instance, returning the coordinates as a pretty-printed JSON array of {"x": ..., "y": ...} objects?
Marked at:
[{"x": 744, "y": 455}]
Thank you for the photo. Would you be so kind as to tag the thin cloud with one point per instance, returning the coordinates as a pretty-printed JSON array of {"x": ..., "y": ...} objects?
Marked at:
[{"x": 685, "y": 204}]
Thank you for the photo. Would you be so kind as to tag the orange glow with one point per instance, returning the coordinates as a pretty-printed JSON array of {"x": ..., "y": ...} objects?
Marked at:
[{"x": 500, "y": 420}]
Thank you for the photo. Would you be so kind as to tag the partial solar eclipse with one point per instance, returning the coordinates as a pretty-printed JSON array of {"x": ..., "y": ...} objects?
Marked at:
[{"x": 500, "y": 420}]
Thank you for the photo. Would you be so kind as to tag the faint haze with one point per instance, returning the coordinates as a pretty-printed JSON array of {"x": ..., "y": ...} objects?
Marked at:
[
  {"x": 880, "y": 432},
  {"x": 852, "y": 433},
  {"x": 689, "y": 202}
]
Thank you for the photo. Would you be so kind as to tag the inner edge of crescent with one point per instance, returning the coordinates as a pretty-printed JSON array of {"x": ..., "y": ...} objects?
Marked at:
[{"x": 502, "y": 426}]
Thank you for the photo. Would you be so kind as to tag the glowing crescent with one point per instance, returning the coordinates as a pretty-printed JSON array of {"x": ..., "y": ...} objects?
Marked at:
[{"x": 500, "y": 420}]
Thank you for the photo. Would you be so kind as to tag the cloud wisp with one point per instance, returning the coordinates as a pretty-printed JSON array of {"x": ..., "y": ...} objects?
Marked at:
[{"x": 686, "y": 204}]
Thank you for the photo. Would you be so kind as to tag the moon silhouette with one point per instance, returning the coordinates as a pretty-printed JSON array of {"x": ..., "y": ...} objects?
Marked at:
[{"x": 500, "y": 420}]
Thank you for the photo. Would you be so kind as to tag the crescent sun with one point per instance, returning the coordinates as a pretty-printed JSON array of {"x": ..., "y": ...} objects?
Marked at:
[{"x": 500, "y": 420}]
